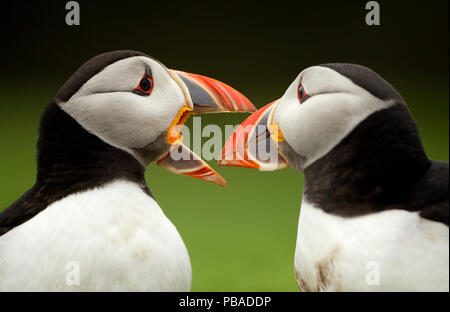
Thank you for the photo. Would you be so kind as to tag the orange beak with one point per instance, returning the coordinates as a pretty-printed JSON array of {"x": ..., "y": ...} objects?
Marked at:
[
  {"x": 203, "y": 95},
  {"x": 211, "y": 96},
  {"x": 254, "y": 144},
  {"x": 181, "y": 160}
]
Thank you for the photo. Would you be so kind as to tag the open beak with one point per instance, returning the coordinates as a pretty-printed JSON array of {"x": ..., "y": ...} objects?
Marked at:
[
  {"x": 203, "y": 95},
  {"x": 181, "y": 160},
  {"x": 254, "y": 144}
]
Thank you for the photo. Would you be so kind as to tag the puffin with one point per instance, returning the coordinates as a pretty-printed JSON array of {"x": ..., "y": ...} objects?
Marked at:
[
  {"x": 374, "y": 208},
  {"x": 90, "y": 222}
]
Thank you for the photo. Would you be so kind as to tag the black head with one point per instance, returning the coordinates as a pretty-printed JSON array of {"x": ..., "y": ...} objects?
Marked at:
[
  {"x": 368, "y": 80},
  {"x": 89, "y": 69}
]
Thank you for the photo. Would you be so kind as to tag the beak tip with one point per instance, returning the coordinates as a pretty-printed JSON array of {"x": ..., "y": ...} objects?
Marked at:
[{"x": 221, "y": 182}]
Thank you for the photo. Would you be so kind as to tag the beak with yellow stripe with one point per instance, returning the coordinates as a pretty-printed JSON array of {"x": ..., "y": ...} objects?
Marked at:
[
  {"x": 202, "y": 95},
  {"x": 256, "y": 142}
]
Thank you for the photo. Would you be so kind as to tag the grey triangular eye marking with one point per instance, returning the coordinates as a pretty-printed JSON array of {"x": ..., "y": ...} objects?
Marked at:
[{"x": 148, "y": 71}]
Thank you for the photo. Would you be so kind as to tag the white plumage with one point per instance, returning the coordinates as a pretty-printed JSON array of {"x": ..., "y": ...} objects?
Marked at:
[
  {"x": 117, "y": 234},
  {"x": 409, "y": 252}
]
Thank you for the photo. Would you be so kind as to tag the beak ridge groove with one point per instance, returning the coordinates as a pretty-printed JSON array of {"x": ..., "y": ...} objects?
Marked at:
[{"x": 212, "y": 96}]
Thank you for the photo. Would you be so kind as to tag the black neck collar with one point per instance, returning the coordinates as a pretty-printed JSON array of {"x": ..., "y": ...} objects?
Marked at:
[
  {"x": 372, "y": 169},
  {"x": 70, "y": 159}
]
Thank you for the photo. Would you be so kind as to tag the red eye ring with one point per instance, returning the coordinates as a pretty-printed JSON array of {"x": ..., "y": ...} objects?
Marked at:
[
  {"x": 301, "y": 94},
  {"x": 145, "y": 86}
]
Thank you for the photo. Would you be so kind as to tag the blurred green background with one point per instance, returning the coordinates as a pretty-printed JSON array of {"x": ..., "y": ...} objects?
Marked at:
[{"x": 241, "y": 238}]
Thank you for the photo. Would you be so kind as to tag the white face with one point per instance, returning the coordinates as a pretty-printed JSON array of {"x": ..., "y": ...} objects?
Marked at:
[
  {"x": 336, "y": 105},
  {"x": 107, "y": 106}
]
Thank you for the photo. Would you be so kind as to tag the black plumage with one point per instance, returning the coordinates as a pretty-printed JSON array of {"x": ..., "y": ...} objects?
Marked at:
[
  {"x": 381, "y": 164},
  {"x": 69, "y": 158}
]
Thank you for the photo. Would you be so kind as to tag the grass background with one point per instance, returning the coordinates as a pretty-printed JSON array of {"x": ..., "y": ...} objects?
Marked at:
[{"x": 241, "y": 238}]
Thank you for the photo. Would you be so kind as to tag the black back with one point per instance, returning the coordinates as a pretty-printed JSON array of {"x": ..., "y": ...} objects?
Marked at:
[{"x": 69, "y": 158}]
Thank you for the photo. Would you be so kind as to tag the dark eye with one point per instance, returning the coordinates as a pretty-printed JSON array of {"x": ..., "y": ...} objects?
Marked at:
[
  {"x": 145, "y": 86},
  {"x": 302, "y": 96}
]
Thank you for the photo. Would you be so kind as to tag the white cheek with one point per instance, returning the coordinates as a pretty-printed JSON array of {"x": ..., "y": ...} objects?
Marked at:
[
  {"x": 315, "y": 127},
  {"x": 106, "y": 106},
  {"x": 123, "y": 119},
  {"x": 318, "y": 79}
]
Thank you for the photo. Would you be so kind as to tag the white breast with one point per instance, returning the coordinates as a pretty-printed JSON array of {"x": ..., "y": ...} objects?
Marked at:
[
  {"x": 115, "y": 238},
  {"x": 394, "y": 250}
]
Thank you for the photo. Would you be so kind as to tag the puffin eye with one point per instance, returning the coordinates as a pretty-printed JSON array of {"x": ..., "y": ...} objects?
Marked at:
[
  {"x": 145, "y": 86},
  {"x": 302, "y": 96}
]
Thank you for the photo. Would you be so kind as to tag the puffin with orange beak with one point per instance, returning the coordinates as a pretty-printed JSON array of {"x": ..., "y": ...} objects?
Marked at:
[
  {"x": 374, "y": 211},
  {"x": 90, "y": 223}
]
